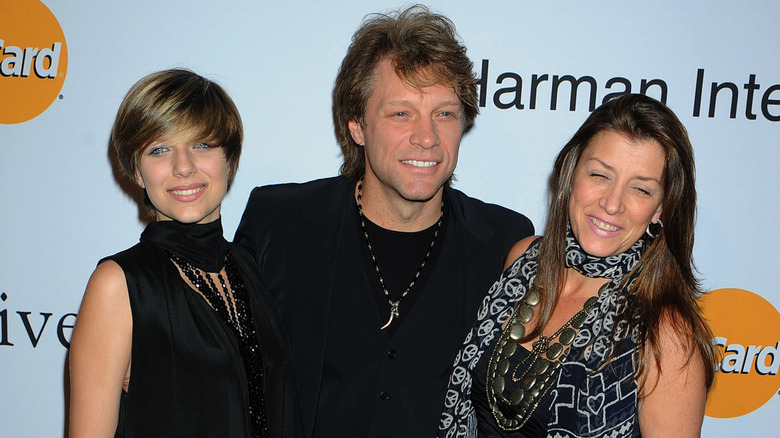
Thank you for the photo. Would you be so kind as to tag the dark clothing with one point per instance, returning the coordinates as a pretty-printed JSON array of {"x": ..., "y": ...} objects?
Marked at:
[
  {"x": 535, "y": 427},
  {"x": 187, "y": 376},
  {"x": 353, "y": 379},
  {"x": 401, "y": 254},
  {"x": 595, "y": 393}
]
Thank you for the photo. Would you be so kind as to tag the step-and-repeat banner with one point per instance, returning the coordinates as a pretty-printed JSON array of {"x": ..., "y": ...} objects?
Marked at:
[{"x": 65, "y": 66}]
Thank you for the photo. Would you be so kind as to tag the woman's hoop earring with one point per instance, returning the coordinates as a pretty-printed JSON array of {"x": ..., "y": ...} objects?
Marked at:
[{"x": 656, "y": 229}]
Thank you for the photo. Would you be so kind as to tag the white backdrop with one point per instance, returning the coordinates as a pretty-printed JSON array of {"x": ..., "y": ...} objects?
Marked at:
[{"x": 62, "y": 210}]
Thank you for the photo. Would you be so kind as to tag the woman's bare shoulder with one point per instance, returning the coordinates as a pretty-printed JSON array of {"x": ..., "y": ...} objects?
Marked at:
[{"x": 519, "y": 249}]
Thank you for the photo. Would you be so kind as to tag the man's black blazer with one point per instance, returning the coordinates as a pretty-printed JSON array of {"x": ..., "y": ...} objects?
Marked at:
[{"x": 305, "y": 240}]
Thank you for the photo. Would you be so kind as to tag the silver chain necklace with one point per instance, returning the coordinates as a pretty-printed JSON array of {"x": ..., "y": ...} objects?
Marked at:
[{"x": 394, "y": 312}]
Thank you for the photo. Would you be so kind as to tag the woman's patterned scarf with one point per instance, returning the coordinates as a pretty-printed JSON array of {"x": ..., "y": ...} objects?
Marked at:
[{"x": 588, "y": 400}]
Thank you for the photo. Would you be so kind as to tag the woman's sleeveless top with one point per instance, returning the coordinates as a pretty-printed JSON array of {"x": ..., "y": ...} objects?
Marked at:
[{"x": 187, "y": 377}]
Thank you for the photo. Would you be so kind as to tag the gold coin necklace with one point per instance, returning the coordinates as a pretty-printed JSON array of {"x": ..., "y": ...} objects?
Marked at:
[{"x": 513, "y": 397}]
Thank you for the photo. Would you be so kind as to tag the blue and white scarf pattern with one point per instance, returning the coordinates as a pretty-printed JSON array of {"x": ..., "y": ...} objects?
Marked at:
[{"x": 588, "y": 400}]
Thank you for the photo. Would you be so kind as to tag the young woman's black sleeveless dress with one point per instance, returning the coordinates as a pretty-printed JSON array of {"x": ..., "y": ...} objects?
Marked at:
[{"x": 187, "y": 377}]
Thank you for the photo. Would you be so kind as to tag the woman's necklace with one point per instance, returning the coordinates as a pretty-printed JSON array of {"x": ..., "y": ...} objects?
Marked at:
[
  {"x": 231, "y": 303},
  {"x": 221, "y": 301},
  {"x": 394, "y": 312},
  {"x": 513, "y": 397}
]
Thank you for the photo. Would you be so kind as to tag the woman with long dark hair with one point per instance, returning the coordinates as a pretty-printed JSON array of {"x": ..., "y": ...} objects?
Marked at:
[{"x": 594, "y": 330}]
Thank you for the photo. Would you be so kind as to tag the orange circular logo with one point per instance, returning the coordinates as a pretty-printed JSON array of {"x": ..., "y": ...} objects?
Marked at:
[
  {"x": 747, "y": 333},
  {"x": 33, "y": 60}
]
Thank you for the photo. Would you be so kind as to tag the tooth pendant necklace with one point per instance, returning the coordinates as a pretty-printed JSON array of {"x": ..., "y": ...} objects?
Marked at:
[{"x": 394, "y": 312}]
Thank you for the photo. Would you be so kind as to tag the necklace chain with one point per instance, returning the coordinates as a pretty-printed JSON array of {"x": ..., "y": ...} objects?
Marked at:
[{"x": 394, "y": 305}]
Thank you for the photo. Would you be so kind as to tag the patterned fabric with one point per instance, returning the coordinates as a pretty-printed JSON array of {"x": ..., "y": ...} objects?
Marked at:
[{"x": 588, "y": 400}]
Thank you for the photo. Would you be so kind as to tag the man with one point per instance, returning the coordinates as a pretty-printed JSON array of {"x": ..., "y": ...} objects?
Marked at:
[{"x": 378, "y": 273}]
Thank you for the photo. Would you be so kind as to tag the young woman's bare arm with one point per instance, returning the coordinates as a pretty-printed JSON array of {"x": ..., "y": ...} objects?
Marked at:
[{"x": 100, "y": 354}]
